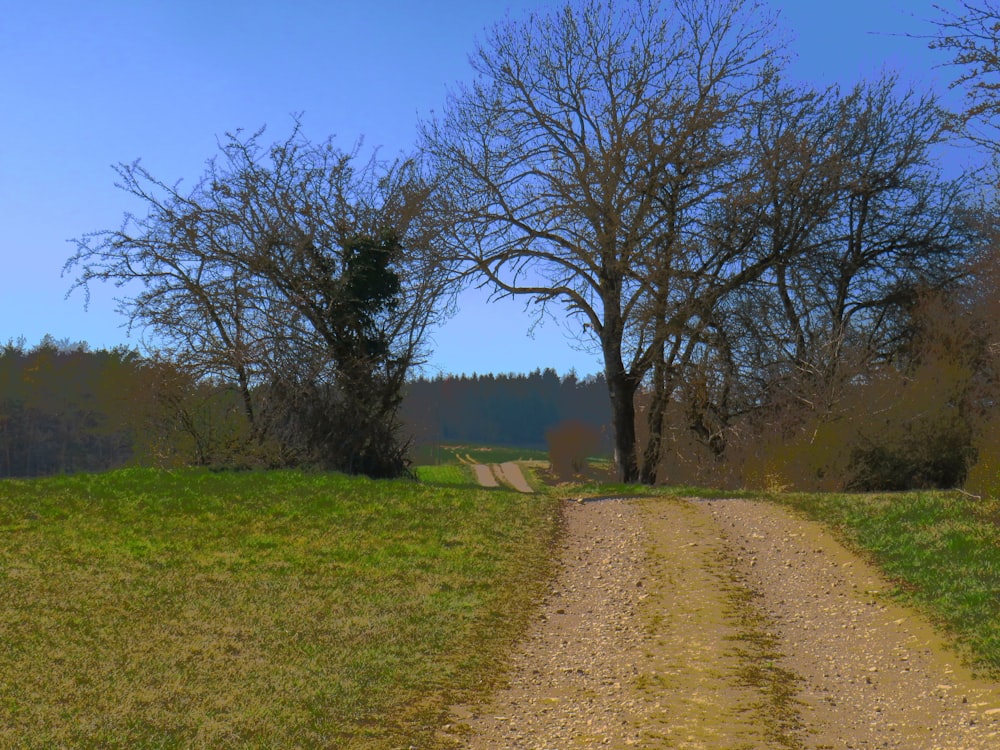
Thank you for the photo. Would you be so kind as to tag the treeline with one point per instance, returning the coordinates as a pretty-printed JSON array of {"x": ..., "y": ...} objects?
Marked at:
[
  {"x": 65, "y": 408},
  {"x": 512, "y": 409},
  {"x": 924, "y": 417}
]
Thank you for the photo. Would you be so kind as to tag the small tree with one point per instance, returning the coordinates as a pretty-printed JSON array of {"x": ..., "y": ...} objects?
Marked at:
[
  {"x": 571, "y": 443},
  {"x": 294, "y": 273},
  {"x": 339, "y": 407}
]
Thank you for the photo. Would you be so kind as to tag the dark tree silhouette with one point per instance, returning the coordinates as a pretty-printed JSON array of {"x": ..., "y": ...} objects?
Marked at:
[
  {"x": 64, "y": 408},
  {"x": 510, "y": 410}
]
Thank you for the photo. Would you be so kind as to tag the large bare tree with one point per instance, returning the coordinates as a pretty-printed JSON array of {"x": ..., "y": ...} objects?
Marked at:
[{"x": 584, "y": 159}]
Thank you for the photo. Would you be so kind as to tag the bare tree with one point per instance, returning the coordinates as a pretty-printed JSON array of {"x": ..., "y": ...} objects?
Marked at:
[
  {"x": 893, "y": 227},
  {"x": 847, "y": 182},
  {"x": 970, "y": 33},
  {"x": 291, "y": 266},
  {"x": 583, "y": 157}
]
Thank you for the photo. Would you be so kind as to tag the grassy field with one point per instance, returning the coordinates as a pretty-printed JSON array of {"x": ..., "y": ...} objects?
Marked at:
[
  {"x": 145, "y": 609},
  {"x": 941, "y": 548}
]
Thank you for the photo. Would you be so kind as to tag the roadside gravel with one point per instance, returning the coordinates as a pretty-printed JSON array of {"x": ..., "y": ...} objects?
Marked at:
[{"x": 724, "y": 624}]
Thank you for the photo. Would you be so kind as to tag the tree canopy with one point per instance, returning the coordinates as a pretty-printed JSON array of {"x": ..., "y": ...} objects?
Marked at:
[{"x": 645, "y": 165}]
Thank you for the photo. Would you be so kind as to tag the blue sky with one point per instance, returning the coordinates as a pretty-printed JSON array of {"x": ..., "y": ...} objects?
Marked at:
[{"x": 85, "y": 85}]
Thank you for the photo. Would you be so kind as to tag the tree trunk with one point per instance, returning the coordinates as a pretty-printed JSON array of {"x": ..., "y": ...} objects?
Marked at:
[
  {"x": 621, "y": 391},
  {"x": 622, "y": 394},
  {"x": 657, "y": 410},
  {"x": 247, "y": 398}
]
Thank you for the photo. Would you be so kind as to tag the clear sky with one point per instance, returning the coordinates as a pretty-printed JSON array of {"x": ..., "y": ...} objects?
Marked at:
[{"x": 85, "y": 85}]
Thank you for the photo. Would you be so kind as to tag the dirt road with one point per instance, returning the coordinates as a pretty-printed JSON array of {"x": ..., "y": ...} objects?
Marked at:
[
  {"x": 507, "y": 473},
  {"x": 484, "y": 475},
  {"x": 725, "y": 624}
]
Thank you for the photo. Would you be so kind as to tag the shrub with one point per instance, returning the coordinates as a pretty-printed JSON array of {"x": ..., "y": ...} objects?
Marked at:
[{"x": 570, "y": 444}]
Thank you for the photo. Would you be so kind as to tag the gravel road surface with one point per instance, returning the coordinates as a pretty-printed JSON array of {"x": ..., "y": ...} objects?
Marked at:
[{"x": 725, "y": 624}]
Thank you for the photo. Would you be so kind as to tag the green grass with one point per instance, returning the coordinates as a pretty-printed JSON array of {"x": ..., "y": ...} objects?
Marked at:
[
  {"x": 144, "y": 609},
  {"x": 446, "y": 475},
  {"x": 942, "y": 549}
]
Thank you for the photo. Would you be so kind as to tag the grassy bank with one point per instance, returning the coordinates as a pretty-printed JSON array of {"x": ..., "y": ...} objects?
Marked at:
[
  {"x": 143, "y": 609},
  {"x": 941, "y": 548}
]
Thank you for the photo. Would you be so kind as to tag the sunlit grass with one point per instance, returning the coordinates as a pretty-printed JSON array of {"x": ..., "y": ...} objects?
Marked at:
[
  {"x": 941, "y": 548},
  {"x": 453, "y": 475},
  {"x": 143, "y": 609}
]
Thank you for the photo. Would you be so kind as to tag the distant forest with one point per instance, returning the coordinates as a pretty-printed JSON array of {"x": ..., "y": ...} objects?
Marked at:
[
  {"x": 65, "y": 408},
  {"x": 513, "y": 410}
]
